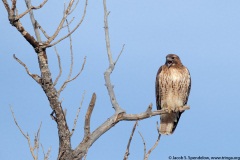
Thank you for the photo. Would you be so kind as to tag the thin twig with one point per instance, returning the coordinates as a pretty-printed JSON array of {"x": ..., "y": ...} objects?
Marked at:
[
  {"x": 78, "y": 72},
  {"x": 127, "y": 153},
  {"x": 106, "y": 13},
  {"x": 74, "y": 7},
  {"x": 67, "y": 81},
  {"x": 153, "y": 147},
  {"x": 71, "y": 52},
  {"x": 77, "y": 114},
  {"x": 43, "y": 31},
  {"x": 36, "y": 141},
  {"x": 119, "y": 54},
  {"x": 59, "y": 66},
  {"x": 31, "y": 8},
  {"x": 144, "y": 143},
  {"x": 46, "y": 155},
  {"x": 34, "y": 76},
  {"x": 14, "y": 118},
  {"x": 88, "y": 116},
  {"x": 68, "y": 24},
  {"x": 43, "y": 151}
]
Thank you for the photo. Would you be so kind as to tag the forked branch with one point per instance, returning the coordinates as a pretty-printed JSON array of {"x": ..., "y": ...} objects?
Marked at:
[
  {"x": 110, "y": 69},
  {"x": 30, "y": 8}
]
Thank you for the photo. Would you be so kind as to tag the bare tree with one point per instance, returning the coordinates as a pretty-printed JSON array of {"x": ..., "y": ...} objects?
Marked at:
[{"x": 66, "y": 152}]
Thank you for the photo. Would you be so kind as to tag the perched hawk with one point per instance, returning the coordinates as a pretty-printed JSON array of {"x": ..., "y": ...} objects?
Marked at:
[{"x": 173, "y": 83}]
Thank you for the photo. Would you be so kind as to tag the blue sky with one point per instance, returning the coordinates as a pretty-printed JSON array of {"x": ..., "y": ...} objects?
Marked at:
[{"x": 206, "y": 36}]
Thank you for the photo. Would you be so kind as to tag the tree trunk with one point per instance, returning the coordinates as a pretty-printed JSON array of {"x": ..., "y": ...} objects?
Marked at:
[{"x": 65, "y": 151}]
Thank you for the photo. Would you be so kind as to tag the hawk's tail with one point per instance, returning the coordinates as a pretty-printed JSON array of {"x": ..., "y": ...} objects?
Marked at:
[{"x": 169, "y": 122}]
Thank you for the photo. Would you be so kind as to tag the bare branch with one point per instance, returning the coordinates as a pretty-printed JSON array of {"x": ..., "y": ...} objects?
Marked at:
[
  {"x": 78, "y": 72},
  {"x": 127, "y": 153},
  {"x": 144, "y": 143},
  {"x": 43, "y": 31},
  {"x": 6, "y": 6},
  {"x": 48, "y": 154},
  {"x": 61, "y": 26},
  {"x": 113, "y": 120},
  {"x": 14, "y": 118},
  {"x": 106, "y": 13},
  {"x": 153, "y": 147},
  {"x": 13, "y": 5},
  {"x": 43, "y": 151},
  {"x": 144, "y": 115},
  {"x": 68, "y": 24},
  {"x": 30, "y": 8},
  {"x": 67, "y": 81},
  {"x": 77, "y": 114},
  {"x": 59, "y": 66},
  {"x": 34, "y": 76},
  {"x": 110, "y": 69},
  {"x": 71, "y": 52},
  {"x": 35, "y": 26},
  {"x": 146, "y": 154},
  {"x": 74, "y": 7},
  {"x": 88, "y": 116},
  {"x": 36, "y": 141}
]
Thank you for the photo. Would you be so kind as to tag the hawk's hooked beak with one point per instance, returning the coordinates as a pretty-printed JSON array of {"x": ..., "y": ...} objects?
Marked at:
[{"x": 169, "y": 62}]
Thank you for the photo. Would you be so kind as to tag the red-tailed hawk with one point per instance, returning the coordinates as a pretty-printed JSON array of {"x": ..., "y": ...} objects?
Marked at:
[{"x": 173, "y": 83}]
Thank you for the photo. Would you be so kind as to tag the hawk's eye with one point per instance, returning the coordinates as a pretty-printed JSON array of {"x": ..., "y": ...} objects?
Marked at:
[{"x": 173, "y": 57}]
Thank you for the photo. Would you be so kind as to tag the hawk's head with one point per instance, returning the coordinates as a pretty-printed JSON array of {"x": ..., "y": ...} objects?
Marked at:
[{"x": 173, "y": 60}]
